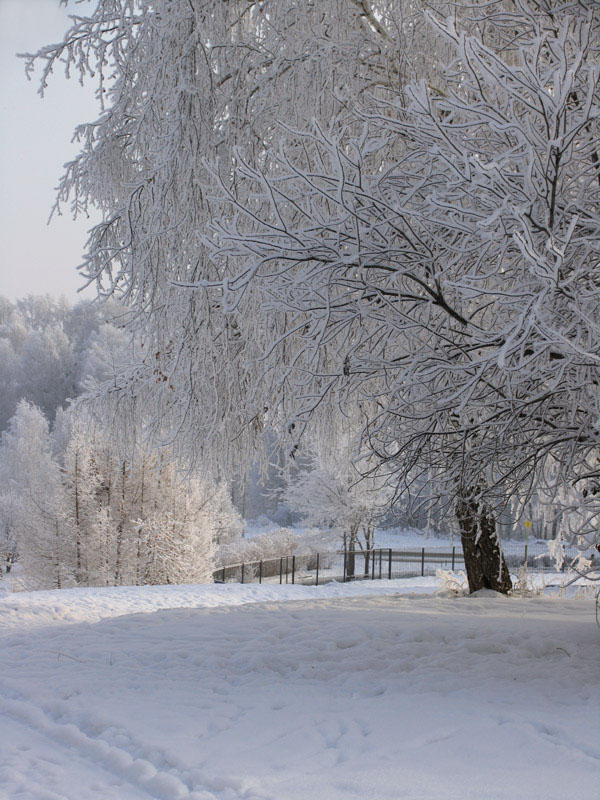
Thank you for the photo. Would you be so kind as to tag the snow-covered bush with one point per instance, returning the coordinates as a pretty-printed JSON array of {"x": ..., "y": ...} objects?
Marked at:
[
  {"x": 452, "y": 584},
  {"x": 524, "y": 585},
  {"x": 271, "y": 544}
]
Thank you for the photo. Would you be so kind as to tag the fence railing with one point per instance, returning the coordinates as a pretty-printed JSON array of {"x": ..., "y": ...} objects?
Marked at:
[
  {"x": 374, "y": 564},
  {"x": 342, "y": 566}
]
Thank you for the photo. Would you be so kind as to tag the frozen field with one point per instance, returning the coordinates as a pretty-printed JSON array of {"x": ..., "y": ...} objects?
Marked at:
[{"x": 359, "y": 692}]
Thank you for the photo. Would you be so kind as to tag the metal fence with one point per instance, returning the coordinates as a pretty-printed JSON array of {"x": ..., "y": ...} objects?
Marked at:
[
  {"x": 342, "y": 566},
  {"x": 376, "y": 564}
]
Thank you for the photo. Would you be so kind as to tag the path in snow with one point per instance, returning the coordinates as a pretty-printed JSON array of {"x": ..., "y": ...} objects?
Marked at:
[{"x": 340, "y": 697}]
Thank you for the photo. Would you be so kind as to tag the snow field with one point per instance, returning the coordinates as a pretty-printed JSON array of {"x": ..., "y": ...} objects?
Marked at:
[{"x": 282, "y": 693}]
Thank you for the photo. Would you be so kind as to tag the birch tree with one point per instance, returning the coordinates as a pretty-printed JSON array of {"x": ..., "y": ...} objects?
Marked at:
[{"x": 182, "y": 81}]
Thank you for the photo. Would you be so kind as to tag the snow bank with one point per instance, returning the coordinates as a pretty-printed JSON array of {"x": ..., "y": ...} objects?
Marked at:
[{"x": 78, "y": 605}]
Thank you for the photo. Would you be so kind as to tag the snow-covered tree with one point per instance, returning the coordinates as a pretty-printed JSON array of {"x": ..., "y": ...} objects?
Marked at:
[
  {"x": 450, "y": 287},
  {"x": 133, "y": 518},
  {"x": 33, "y": 501},
  {"x": 192, "y": 80},
  {"x": 109, "y": 349},
  {"x": 337, "y": 492},
  {"x": 47, "y": 367},
  {"x": 8, "y": 372},
  {"x": 92, "y": 514},
  {"x": 427, "y": 260},
  {"x": 45, "y": 351}
]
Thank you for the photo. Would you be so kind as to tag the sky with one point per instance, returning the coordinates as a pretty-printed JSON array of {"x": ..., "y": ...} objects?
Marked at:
[{"x": 35, "y": 142}]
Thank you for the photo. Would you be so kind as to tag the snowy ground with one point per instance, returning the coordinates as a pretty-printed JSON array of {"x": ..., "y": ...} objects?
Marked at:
[{"x": 365, "y": 691}]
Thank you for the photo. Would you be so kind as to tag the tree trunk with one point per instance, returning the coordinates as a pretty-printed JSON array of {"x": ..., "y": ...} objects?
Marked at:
[
  {"x": 350, "y": 564},
  {"x": 78, "y": 570},
  {"x": 120, "y": 528},
  {"x": 369, "y": 553},
  {"x": 350, "y": 554},
  {"x": 484, "y": 561}
]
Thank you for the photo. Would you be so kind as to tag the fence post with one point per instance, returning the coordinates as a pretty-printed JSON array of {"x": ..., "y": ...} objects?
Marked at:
[
  {"x": 293, "y": 569},
  {"x": 373, "y": 565},
  {"x": 286, "y": 568},
  {"x": 344, "y": 578},
  {"x": 260, "y": 571},
  {"x": 281, "y": 569},
  {"x": 453, "y": 557},
  {"x": 390, "y": 564},
  {"x": 223, "y": 574},
  {"x": 422, "y": 561},
  {"x": 526, "y": 552},
  {"x": 317, "y": 581},
  {"x": 242, "y": 573}
]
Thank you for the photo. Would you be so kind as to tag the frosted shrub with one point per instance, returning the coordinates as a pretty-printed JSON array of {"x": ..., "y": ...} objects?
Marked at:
[
  {"x": 524, "y": 586},
  {"x": 452, "y": 584},
  {"x": 556, "y": 548}
]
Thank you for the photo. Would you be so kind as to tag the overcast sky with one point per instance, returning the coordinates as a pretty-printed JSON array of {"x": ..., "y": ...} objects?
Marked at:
[{"x": 35, "y": 137}]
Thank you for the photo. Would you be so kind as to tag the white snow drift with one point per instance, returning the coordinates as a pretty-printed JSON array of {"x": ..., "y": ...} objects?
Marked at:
[{"x": 345, "y": 692}]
